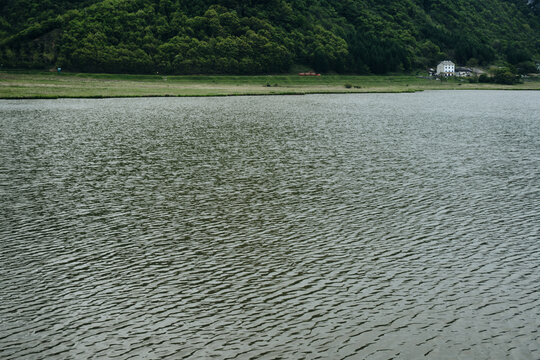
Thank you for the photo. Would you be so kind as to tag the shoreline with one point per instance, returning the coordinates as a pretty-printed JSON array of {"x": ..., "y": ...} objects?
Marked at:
[
  {"x": 98, "y": 97},
  {"x": 17, "y": 85},
  {"x": 45, "y": 97}
]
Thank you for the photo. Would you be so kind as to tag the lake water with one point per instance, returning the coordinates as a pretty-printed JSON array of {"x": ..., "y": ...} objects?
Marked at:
[{"x": 374, "y": 226}]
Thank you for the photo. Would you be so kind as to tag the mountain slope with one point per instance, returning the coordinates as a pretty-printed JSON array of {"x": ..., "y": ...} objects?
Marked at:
[{"x": 264, "y": 36}]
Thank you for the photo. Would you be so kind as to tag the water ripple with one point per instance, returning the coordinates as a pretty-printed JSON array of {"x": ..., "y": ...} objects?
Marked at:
[{"x": 315, "y": 227}]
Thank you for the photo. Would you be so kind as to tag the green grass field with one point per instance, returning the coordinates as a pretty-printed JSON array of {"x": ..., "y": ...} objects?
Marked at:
[{"x": 37, "y": 85}]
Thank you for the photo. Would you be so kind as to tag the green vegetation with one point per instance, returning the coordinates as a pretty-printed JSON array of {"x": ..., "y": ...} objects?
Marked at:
[
  {"x": 504, "y": 76},
  {"x": 35, "y": 84},
  {"x": 266, "y": 36}
]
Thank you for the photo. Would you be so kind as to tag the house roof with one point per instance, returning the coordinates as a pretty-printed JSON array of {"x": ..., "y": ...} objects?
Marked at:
[{"x": 446, "y": 62}]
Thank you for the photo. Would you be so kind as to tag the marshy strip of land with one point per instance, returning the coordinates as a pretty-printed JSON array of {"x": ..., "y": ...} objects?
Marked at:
[{"x": 49, "y": 85}]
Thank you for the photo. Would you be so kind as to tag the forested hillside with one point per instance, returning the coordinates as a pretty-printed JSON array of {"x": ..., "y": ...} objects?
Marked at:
[{"x": 264, "y": 36}]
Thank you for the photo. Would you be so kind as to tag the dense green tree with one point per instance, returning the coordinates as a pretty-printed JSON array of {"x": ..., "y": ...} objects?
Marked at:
[
  {"x": 265, "y": 36},
  {"x": 505, "y": 76}
]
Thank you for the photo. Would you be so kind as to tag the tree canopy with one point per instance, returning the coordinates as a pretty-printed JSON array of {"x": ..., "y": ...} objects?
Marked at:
[{"x": 264, "y": 36}]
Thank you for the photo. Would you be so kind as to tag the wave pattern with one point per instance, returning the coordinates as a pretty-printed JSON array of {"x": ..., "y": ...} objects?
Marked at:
[{"x": 314, "y": 227}]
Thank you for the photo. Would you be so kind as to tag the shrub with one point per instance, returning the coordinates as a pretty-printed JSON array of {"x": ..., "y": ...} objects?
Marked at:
[
  {"x": 505, "y": 77},
  {"x": 526, "y": 67},
  {"x": 484, "y": 79}
]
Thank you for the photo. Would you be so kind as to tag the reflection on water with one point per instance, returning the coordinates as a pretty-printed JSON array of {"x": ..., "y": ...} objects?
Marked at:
[{"x": 371, "y": 226}]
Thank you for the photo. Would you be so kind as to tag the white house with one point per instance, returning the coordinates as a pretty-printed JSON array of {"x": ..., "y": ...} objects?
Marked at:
[{"x": 446, "y": 68}]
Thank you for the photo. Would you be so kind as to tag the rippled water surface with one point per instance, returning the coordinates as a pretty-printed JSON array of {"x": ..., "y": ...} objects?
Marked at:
[{"x": 376, "y": 226}]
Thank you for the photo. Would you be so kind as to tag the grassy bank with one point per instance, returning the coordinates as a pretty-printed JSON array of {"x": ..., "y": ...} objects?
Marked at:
[{"x": 28, "y": 85}]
